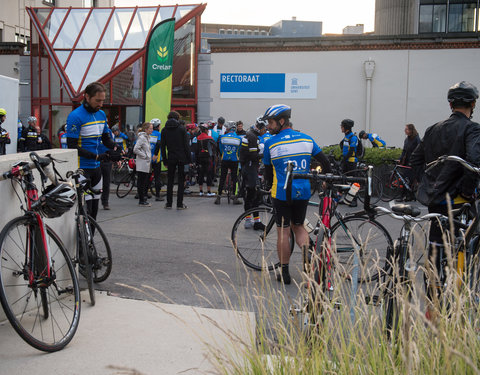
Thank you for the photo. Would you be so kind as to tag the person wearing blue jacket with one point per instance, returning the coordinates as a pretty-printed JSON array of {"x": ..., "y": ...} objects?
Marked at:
[{"x": 155, "y": 145}]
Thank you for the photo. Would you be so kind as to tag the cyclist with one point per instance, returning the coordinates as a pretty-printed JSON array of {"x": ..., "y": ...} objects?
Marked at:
[
  {"x": 4, "y": 135},
  {"x": 155, "y": 145},
  {"x": 105, "y": 167},
  {"x": 459, "y": 136},
  {"x": 289, "y": 145},
  {"x": 86, "y": 130},
  {"x": 30, "y": 140},
  {"x": 204, "y": 154},
  {"x": 374, "y": 139},
  {"x": 349, "y": 146},
  {"x": 229, "y": 146},
  {"x": 121, "y": 139},
  {"x": 250, "y": 162},
  {"x": 239, "y": 130}
]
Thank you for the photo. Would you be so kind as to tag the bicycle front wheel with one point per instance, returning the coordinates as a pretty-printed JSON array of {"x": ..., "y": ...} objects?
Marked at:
[
  {"x": 372, "y": 240},
  {"x": 392, "y": 188},
  {"x": 125, "y": 187},
  {"x": 102, "y": 254},
  {"x": 45, "y": 312},
  {"x": 257, "y": 248},
  {"x": 85, "y": 256}
]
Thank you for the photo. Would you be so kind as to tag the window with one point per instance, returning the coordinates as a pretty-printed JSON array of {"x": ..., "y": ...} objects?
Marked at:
[{"x": 461, "y": 16}]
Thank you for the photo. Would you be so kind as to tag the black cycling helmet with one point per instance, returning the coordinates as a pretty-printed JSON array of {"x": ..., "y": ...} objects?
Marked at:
[
  {"x": 277, "y": 111},
  {"x": 221, "y": 120},
  {"x": 462, "y": 92},
  {"x": 56, "y": 200},
  {"x": 347, "y": 123},
  {"x": 361, "y": 134}
]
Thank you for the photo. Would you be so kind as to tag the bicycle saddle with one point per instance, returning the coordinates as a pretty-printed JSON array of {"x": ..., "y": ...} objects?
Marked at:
[{"x": 406, "y": 209}]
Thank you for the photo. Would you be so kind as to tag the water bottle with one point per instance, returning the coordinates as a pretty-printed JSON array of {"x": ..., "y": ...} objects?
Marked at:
[{"x": 351, "y": 193}]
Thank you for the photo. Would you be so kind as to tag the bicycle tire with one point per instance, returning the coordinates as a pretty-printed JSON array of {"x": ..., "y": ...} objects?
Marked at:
[
  {"x": 22, "y": 305},
  {"x": 391, "y": 188},
  {"x": 258, "y": 249},
  {"x": 373, "y": 254},
  {"x": 119, "y": 173},
  {"x": 102, "y": 265},
  {"x": 85, "y": 257},
  {"x": 125, "y": 187}
]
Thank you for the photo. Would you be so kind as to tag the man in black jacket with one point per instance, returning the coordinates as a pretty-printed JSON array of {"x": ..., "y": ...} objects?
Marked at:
[
  {"x": 459, "y": 136},
  {"x": 175, "y": 154}
]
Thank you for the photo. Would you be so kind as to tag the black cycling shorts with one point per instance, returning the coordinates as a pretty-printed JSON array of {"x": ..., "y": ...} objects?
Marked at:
[{"x": 286, "y": 213}]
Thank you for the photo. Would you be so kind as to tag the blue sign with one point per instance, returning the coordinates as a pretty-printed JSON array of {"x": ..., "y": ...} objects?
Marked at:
[{"x": 252, "y": 82}]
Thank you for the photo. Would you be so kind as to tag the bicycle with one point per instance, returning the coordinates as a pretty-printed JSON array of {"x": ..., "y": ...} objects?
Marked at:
[
  {"x": 39, "y": 290},
  {"x": 93, "y": 254},
  {"x": 125, "y": 186},
  {"x": 397, "y": 184},
  {"x": 257, "y": 248}
]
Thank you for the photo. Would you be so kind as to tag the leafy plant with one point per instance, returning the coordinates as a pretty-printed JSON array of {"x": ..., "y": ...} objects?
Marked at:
[{"x": 373, "y": 156}]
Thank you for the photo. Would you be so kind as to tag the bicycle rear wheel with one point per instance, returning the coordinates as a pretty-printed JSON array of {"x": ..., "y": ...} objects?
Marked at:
[
  {"x": 372, "y": 239},
  {"x": 125, "y": 187},
  {"x": 44, "y": 312},
  {"x": 85, "y": 256},
  {"x": 392, "y": 188},
  {"x": 102, "y": 254},
  {"x": 257, "y": 248}
]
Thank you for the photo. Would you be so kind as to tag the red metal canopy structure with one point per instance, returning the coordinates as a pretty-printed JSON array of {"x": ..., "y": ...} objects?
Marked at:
[{"x": 72, "y": 47}]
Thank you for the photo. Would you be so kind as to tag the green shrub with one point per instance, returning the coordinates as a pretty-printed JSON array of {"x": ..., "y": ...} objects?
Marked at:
[{"x": 373, "y": 156}]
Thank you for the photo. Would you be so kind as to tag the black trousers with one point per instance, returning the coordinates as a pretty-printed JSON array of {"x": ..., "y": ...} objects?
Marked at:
[
  {"x": 106, "y": 168},
  {"x": 205, "y": 171},
  {"x": 157, "y": 169},
  {"x": 225, "y": 166},
  {"x": 172, "y": 167},
  {"x": 142, "y": 185}
]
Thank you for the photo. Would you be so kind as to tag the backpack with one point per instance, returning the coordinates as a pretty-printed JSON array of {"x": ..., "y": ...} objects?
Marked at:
[{"x": 360, "y": 149}]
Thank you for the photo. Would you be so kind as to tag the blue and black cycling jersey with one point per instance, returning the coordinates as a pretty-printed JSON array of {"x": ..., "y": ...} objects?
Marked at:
[
  {"x": 87, "y": 128},
  {"x": 376, "y": 140},
  {"x": 350, "y": 141},
  {"x": 103, "y": 149},
  {"x": 121, "y": 141},
  {"x": 154, "y": 138},
  {"x": 290, "y": 145},
  {"x": 229, "y": 145},
  {"x": 63, "y": 140}
]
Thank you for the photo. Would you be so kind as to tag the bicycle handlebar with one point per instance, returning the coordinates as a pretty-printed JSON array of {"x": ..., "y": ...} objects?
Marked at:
[
  {"x": 328, "y": 177},
  {"x": 43, "y": 164},
  {"x": 458, "y": 159}
]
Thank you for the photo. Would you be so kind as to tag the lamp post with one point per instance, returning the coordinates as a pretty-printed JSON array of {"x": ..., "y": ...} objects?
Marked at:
[{"x": 369, "y": 67}]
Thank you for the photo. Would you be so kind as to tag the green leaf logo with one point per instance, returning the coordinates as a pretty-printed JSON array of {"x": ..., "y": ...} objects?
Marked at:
[{"x": 162, "y": 54}]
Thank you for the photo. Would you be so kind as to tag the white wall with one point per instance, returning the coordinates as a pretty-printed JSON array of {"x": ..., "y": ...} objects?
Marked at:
[
  {"x": 9, "y": 102},
  {"x": 408, "y": 86},
  {"x": 64, "y": 226}
]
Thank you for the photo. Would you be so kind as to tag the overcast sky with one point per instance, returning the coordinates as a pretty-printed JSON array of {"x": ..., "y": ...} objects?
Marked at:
[{"x": 335, "y": 14}]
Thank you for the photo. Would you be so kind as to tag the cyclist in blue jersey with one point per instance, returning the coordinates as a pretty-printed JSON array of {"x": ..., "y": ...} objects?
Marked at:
[
  {"x": 86, "y": 130},
  {"x": 374, "y": 139},
  {"x": 155, "y": 145},
  {"x": 229, "y": 146},
  {"x": 121, "y": 139},
  {"x": 287, "y": 145},
  {"x": 349, "y": 146}
]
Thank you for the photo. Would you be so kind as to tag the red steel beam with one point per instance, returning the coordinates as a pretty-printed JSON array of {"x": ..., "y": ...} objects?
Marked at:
[{"x": 78, "y": 38}]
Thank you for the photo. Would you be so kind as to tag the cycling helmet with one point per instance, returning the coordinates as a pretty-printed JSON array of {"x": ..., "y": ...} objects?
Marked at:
[
  {"x": 260, "y": 123},
  {"x": 3, "y": 112},
  {"x": 131, "y": 163},
  {"x": 191, "y": 126},
  {"x": 463, "y": 92},
  {"x": 231, "y": 126},
  {"x": 56, "y": 200},
  {"x": 32, "y": 119},
  {"x": 115, "y": 128},
  {"x": 277, "y": 111},
  {"x": 203, "y": 127},
  {"x": 361, "y": 134},
  {"x": 221, "y": 120},
  {"x": 347, "y": 123},
  {"x": 155, "y": 122}
]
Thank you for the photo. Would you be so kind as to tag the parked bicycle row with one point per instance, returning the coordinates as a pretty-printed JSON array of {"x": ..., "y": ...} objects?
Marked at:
[{"x": 39, "y": 289}]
